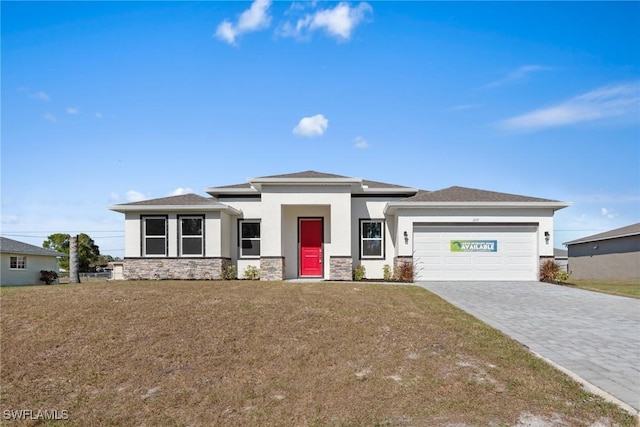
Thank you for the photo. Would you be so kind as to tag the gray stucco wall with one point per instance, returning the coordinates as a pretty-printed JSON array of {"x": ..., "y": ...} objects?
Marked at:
[{"x": 612, "y": 259}]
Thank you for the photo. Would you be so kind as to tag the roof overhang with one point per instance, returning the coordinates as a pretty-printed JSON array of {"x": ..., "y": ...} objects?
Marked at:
[
  {"x": 175, "y": 208},
  {"x": 599, "y": 239},
  {"x": 257, "y": 183},
  {"x": 392, "y": 207}
]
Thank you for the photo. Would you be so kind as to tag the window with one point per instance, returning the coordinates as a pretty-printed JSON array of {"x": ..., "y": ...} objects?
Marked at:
[
  {"x": 191, "y": 236},
  {"x": 18, "y": 262},
  {"x": 154, "y": 236},
  {"x": 249, "y": 239},
  {"x": 371, "y": 240}
]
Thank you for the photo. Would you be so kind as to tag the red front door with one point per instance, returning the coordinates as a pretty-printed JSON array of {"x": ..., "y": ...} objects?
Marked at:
[{"x": 311, "y": 247}]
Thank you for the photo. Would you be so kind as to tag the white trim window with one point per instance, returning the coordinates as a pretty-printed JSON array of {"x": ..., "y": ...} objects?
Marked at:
[
  {"x": 371, "y": 239},
  {"x": 154, "y": 236},
  {"x": 18, "y": 263},
  {"x": 249, "y": 239},
  {"x": 191, "y": 236}
]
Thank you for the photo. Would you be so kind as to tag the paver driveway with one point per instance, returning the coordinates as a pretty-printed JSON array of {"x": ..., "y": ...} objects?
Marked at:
[{"x": 593, "y": 335}]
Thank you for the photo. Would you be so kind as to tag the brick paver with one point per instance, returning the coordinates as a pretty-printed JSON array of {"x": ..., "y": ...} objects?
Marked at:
[{"x": 595, "y": 336}]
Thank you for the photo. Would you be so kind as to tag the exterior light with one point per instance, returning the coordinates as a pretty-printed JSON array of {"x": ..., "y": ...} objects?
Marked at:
[
  {"x": 547, "y": 236},
  {"x": 406, "y": 238}
]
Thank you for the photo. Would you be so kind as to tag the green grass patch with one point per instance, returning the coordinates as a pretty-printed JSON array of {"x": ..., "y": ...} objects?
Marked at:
[{"x": 625, "y": 288}]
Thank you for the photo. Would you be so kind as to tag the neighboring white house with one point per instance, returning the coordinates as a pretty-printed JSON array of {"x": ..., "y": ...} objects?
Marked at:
[
  {"x": 318, "y": 225},
  {"x": 21, "y": 262},
  {"x": 562, "y": 259}
]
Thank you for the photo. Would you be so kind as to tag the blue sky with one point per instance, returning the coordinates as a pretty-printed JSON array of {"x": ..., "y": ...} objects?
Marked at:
[{"x": 110, "y": 102}]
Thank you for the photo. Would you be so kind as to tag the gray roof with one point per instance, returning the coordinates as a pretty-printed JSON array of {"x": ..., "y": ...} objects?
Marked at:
[
  {"x": 16, "y": 247},
  {"x": 560, "y": 253},
  {"x": 629, "y": 230},
  {"x": 183, "y": 200},
  {"x": 311, "y": 174},
  {"x": 463, "y": 194}
]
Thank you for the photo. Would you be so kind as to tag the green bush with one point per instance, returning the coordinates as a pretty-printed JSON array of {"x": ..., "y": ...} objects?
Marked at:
[
  {"x": 229, "y": 273},
  {"x": 359, "y": 272},
  {"x": 48, "y": 277},
  {"x": 252, "y": 273},
  {"x": 386, "y": 273},
  {"x": 561, "y": 276}
]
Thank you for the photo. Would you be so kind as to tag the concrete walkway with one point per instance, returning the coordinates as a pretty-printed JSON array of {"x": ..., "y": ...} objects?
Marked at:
[{"x": 592, "y": 335}]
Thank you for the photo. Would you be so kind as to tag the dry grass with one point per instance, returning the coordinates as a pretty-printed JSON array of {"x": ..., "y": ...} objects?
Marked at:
[
  {"x": 625, "y": 288},
  {"x": 255, "y": 353}
]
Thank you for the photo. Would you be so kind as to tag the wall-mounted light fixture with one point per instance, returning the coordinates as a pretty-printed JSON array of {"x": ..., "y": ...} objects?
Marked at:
[
  {"x": 595, "y": 247},
  {"x": 406, "y": 238},
  {"x": 547, "y": 236}
]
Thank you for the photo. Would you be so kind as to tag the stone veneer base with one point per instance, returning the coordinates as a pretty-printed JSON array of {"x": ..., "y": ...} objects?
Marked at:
[
  {"x": 340, "y": 267},
  {"x": 175, "y": 268},
  {"x": 272, "y": 268}
]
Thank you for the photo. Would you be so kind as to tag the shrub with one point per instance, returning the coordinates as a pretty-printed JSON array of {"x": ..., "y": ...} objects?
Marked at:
[
  {"x": 229, "y": 273},
  {"x": 548, "y": 270},
  {"x": 48, "y": 277},
  {"x": 252, "y": 273},
  {"x": 404, "y": 271},
  {"x": 359, "y": 272},
  {"x": 386, "y": 273},
  {"x": 561, "y": 276}
]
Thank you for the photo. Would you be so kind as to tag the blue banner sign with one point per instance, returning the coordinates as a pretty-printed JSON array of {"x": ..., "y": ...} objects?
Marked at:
[{"x": 474, "y": 246}]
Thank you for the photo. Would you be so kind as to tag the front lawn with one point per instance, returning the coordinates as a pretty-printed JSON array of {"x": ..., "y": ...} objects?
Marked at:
[
  {"x": 272, "y": 353},
  {"x": 625, "y": 288}
]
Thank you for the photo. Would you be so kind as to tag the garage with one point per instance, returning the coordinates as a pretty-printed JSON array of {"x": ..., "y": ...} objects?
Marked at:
[{"x": 475, "y": 252}]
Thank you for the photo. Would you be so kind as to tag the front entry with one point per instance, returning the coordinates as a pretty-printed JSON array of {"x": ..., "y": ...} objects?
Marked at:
[{"x": 310, "y": 238}]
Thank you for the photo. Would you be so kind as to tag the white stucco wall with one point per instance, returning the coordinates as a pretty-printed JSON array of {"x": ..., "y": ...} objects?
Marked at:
[
  {"x": 363, "y": 208},
  {"x": 28, "y": 276}
]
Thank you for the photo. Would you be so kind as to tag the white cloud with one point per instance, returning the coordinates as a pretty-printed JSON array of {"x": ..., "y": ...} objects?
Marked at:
[
  {"x": 10, "y": 219},
  {"x": 520, "y": 73},
  {"x": 253, "y": 19},
  {"x": 311, "y": 126},
  {"x": 338, "y": 22},
  {"x": 41, "y": 96},
  {"x": 135, "y": 196},
  {"x": 360, "y": 142},
  {"x": 98, "y": 115},
  {"x": 50, "y": 117},
  {"x": 608, "y": 213},
  {"x": 606, "y": 101},
  {"x": 180, "y": 191},
  {"x": 114, "y": 196},
  {"x": 72, "y": 110}
]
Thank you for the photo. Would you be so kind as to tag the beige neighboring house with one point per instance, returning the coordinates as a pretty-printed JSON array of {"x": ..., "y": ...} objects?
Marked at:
[
  {"x": 612, "y": 255},
  {"x": 321, "y": 226},
  {"x": 21, "y": 262}
]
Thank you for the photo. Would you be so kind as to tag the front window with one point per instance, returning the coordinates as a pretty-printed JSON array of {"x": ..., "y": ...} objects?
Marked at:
[
  {"x": 371, "y": 238},
  {"x": 249, "y": 239},
  {"x": 191, "y": 236},
  {"x": 155, "y": 236},
  {"x": 18, "y": 262}
]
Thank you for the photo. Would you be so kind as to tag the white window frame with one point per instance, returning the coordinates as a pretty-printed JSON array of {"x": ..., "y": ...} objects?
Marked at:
[
  {"x": 20, "y": 262},
  {"x": 145, "y": 237},
  {"x": 363, "y": 239},
  {"x": 241, "y": 239},
  {"x": 191, "y": 236}
]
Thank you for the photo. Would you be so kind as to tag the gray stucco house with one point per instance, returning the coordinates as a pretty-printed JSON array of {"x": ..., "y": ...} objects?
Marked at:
[
  {"x": 612, "y": 255},
  {"x": 21, "y": 262}
]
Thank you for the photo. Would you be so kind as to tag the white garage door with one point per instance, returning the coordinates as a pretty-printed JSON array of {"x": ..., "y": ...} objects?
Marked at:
[{"x": 475, "y": 252}]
